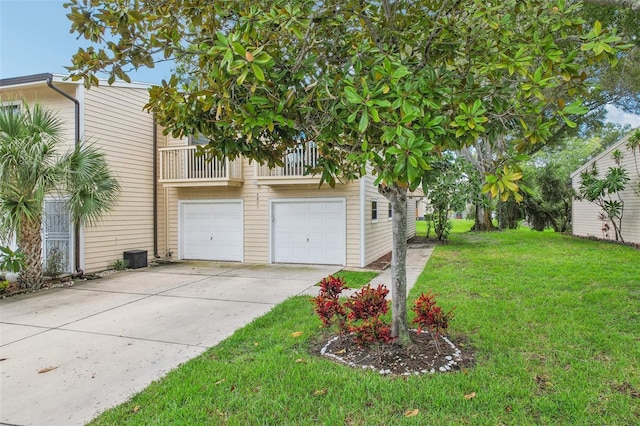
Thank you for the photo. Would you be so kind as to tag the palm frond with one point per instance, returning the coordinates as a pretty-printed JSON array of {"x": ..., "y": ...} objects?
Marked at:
[{"x": 92, "y": 187}]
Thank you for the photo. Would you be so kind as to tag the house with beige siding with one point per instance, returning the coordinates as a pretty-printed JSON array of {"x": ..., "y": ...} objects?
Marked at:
[
  {"x": 585, "y": 215},
  {"x": 174, "y": 204},
  {"x": 112, "y": 118},
  {"x": 241, "y": 211}
]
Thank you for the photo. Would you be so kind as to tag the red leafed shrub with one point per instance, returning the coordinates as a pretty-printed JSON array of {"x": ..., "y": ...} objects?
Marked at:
[
  {"x": 359, "y": 315},
  {"x": 371, "y": 330},
  {"x": 368, "y": 303},
  {"x": 430, "y": 316},
  {"x": 366, "y": 307},
  {"x": 327, "y": 303}
]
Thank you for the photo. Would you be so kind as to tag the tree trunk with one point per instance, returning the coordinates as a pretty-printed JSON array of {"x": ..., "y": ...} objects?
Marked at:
[
  {"x": 483, "y": 220},
  {"x": 397, "y": 196},
  {"x": 30, "y": 241}
]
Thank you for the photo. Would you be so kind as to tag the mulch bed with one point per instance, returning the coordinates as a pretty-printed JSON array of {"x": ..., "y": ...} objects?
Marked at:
[
  {"x": 13, "y": 289},
  {"x": 419, "y": 357},
  {"x": 381, "y": 263}
]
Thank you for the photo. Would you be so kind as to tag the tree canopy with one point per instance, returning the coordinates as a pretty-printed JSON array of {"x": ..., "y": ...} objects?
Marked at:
[{"x": 390, "y": 84}]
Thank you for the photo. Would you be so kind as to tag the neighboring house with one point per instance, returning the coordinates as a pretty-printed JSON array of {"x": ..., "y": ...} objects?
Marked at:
[
  {"x": 112, "y": 117},
  {"x": 585, "y": 215},
  {"x": 175, "y": 204}
]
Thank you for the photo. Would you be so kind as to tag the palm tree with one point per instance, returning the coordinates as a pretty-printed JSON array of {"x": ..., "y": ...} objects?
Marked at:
[{"x": 33, "y": 167}]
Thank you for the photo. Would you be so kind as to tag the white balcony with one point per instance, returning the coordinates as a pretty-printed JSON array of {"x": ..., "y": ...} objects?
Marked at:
[
  {"x": 179, "y": 166},
  {"x": 294, "y": 170}
]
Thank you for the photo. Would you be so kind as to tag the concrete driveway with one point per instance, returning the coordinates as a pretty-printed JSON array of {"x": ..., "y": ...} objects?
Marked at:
[{"x": 68, "y": 354}]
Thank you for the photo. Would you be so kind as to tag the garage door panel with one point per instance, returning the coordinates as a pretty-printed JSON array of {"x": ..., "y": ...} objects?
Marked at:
[
  {"x": 309, "y": 232},
  {"x": 212, "y": 231}
]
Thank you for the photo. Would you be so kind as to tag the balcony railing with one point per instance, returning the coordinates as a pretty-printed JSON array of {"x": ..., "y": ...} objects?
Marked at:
[
  {"x": 179, "y": 166},
  {"x": 294, "y": 170}
]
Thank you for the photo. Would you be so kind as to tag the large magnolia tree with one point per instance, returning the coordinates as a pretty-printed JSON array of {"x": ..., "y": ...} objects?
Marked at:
[{"x": 384, "y": 83}]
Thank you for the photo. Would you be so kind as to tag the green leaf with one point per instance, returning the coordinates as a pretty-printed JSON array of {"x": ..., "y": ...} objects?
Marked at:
[
  {"x": 364, "y": 121},
  {"x": 257, "y": 71},
  {"x": 242, "y": 76},
  {"x": 238, "y": 49},
  {"x": 374, "y": 115},
  {"x": 352, "y": 96},
  {"x": 262, "y": 58}
]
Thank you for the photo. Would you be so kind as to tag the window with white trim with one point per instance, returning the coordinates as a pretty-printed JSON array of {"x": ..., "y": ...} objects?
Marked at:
[{"x": 374, "y": 210}]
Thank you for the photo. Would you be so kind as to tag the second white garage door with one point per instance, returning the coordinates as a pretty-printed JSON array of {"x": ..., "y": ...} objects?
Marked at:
[
  {"x": 309, "y": 231},
  {"x": 211, "y": 230}
]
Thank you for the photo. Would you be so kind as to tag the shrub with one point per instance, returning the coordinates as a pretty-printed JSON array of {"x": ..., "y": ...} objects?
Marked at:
[
  {"x": 372, "y": 330},
  {"x": 327, "y": 303},
  {"x": 361, "y": 314},
  {"x": 366, "y": 308},
  {"x": 3, "y": 285},
  {"x": 55, "y": 263},
  {"x": 119, "y": 265},
  {"x": 430, "y": 316},
  {"x": 368, "y": 303}
]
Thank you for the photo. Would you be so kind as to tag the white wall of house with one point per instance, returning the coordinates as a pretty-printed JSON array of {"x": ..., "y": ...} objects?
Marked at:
[{"x": 585, "y": 220}]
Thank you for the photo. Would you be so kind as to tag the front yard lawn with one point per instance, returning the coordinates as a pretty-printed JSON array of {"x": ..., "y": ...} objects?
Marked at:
[
  {"x": 356, "y": 279},
  {"x": 554, "y": 323}
]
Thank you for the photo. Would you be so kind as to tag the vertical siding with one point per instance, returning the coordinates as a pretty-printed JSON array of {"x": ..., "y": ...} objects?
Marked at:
[
  {"x": 585, "y": 220},
  {"x": 116, "y": 123}
]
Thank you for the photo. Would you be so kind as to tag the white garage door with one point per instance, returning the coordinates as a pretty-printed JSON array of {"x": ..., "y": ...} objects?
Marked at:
[
  {"x": 211, "y": 230},
  {"x": 309, "y": 232}
]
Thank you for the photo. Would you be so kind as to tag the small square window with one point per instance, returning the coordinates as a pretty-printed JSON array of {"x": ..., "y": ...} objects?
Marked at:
[{"x": 374, "y": 210}]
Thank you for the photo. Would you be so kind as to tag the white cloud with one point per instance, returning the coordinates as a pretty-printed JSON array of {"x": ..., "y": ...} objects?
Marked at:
[{"x": 618, "y": 116}]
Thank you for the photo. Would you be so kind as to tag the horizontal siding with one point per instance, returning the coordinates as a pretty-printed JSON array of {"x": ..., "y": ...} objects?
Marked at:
[
  {"x": 414, "y": 205},
  {"x": 47, "y": 97},
  {"x": 256, "y": 211},
  {"x": 585, "y": 220},
  {"x": 117, "y": 125},
  {"x": 378, "y": 235}
]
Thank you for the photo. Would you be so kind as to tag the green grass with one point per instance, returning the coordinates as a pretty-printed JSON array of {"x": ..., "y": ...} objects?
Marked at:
[
  {"x": 554, "y": 320},
  {"x": 459, "y": 225},
  {"x": 356, "y": 279}
]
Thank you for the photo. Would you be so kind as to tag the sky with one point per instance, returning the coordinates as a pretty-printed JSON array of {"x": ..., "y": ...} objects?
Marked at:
[{"x": 35, "y": 38}]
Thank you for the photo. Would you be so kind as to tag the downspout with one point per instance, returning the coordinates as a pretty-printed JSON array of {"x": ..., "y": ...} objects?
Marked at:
[
  {"x": 155, "y": 187},
  {"x": 362, "y": 228},
  {"x": 76, "y": 225}
]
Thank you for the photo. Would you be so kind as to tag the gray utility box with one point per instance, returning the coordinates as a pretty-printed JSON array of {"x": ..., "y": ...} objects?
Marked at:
[{"x": 136, "y": 258}]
